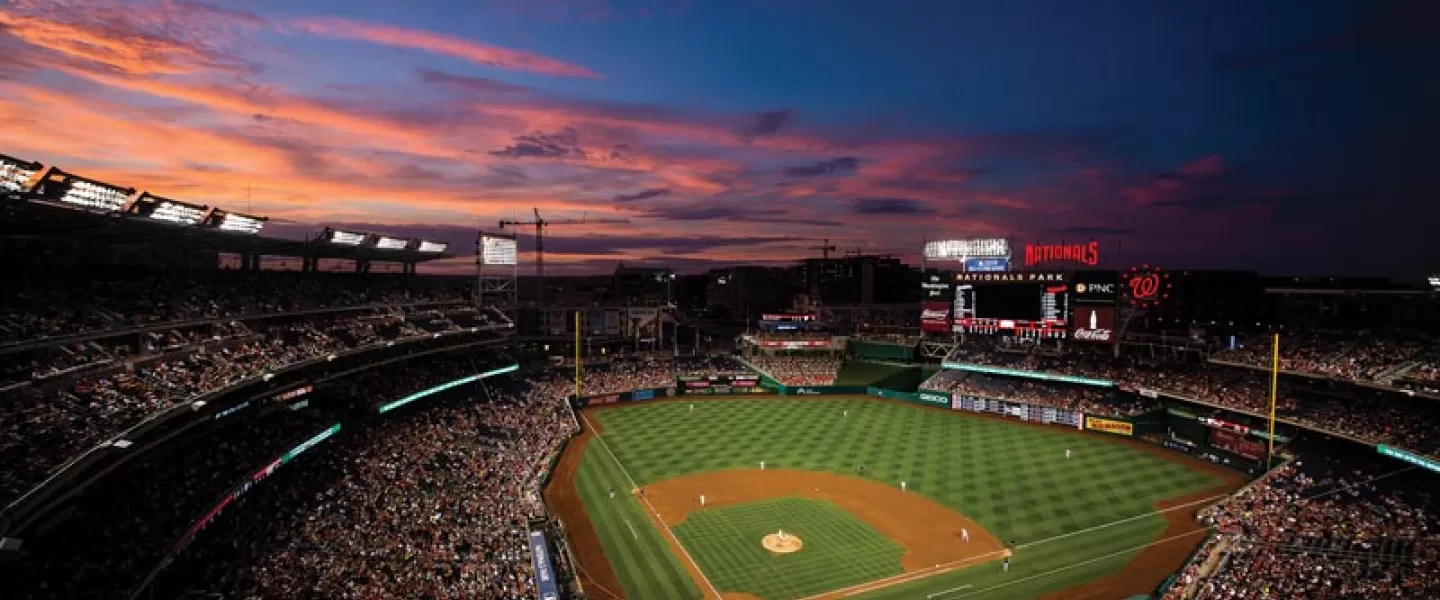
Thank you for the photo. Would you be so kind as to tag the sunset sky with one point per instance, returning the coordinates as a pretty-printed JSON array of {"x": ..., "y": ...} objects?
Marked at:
[{"x": 1288, "y": 136}]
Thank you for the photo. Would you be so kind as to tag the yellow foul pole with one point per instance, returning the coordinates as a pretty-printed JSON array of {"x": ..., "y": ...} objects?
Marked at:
[
  {"x": 577, "y": 356},
  {"x": 1274, "y": 392}
]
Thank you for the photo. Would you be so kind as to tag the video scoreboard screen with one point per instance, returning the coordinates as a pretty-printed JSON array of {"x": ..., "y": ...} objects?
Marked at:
[{"x": 1030, "y": 304}]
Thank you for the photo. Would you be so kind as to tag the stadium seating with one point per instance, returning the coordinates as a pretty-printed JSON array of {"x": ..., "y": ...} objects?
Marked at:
[
  {"x": 474, "y": 458},
  {"x": 1320, "y": 528},
  {"x": 63, "y": 397},
  {"x": 1365, "y": 413},
  {"x": 800, "y": 369}
]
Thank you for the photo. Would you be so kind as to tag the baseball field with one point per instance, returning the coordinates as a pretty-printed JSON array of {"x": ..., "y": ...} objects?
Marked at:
[{"x": 788, "y": 498}]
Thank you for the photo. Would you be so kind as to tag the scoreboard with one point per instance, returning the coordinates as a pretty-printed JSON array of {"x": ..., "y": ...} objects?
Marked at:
[
  {"x": 1024, "y": 412},
  {"x": 1027, "y": 303},
  {"x": 722, "y": 384}
]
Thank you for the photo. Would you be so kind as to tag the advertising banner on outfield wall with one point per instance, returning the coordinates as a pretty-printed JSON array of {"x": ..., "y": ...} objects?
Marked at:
[
  {"x": 934, "y": 397},
  {"x": 1109, "y": 426}
]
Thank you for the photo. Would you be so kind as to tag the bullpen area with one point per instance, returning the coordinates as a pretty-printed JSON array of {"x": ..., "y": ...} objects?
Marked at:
[{"x": 840, "y": 497}]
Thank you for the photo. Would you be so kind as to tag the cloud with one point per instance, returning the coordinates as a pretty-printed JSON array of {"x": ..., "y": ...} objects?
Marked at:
[
  {"x": 644, "y": 195},
  {"x": 766, "y": 123},
  {"x": 475, "y": 52},
  {"x": 562, "y": 144},
  {"x": 165, "y": 39},
  {"x": 843, "y": 164},
  {"x": 481, "y": 85},
  {"x": 890, "y": 206},
  {"x": 736, "y": 214}
]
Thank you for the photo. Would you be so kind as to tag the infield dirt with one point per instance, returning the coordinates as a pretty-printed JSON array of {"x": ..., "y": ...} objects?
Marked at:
[{"x": 928, "y": 530}]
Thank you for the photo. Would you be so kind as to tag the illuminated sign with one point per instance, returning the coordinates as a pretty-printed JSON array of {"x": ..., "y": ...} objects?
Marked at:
[
  {"x": 935, "y": 316},
  {"x": 1146, "y": 286},
  {"x": 806, "y": 317},
  {"x": 293, "y": 394},
  {"x": 987, "y": 265},
  {"x": 963, "y": 249},
  {"x": 1085, "y": 254},
  {"x": 432, "y": 246},
  {"x": 1109, "y": 426},
  {"x": 936, "y": 286},
  {"x": 1219, "y": 424},
  {"x": 1012, "y": 277},
  {"x": 498, "y": 251},
  {"x": 1093, "y": 324},
  {"x": 1413, "y": 459}
]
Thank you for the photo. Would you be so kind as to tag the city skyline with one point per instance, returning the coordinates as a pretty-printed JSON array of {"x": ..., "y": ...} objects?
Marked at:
[{"x": 1286, "y": 137}]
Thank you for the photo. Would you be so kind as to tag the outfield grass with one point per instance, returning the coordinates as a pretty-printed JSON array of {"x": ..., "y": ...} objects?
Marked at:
[
  {"x": 643, "y": 561},
  {"x": 1012, "y": 479},
  {"x": 839, "y": 548}
]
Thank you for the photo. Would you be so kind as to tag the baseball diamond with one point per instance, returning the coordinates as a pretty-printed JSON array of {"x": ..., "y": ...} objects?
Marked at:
[{"x": 1112, "y": 521}]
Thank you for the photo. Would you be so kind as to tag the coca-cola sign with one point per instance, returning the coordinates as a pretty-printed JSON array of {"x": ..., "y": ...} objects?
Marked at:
[
  {"x": 1093, "y": 324},
  {"x": 935, "y": 316},
  {"x": 1093, "y": 335}
]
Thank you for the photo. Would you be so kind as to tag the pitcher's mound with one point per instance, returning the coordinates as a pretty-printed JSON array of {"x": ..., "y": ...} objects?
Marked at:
[{"x": 786, "y": 545}]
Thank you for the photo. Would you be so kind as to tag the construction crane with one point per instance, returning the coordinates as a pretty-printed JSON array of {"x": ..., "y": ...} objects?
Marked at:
[
  {"x": 825, "y": 249},
  {"x": 540, "y": 225}
]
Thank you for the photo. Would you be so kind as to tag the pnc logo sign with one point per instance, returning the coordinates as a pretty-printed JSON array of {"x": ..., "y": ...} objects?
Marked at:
[
  {"x": 934, "y": 399},
  {"x": 1095, "y": 288}
]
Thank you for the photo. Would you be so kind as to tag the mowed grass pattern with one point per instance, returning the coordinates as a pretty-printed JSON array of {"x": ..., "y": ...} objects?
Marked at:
[
  {"x": 640, "y": 554},
  {"x": 839, "y": 548},
  {"x": 1012, "y": 479}
]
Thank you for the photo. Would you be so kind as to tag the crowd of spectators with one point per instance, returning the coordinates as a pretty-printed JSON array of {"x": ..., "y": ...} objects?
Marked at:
[
  {"x": 1366, "y": 413},
  {"x": 800, "y": 369},
  {"x": 1362, "y": 356},
  {"x": 1320, "y": 528},
  {"x": 45, "y": 423},
  {"x": 121, "y": 529},
  {"x": 1086, "y": 399},
  {"x": 56, "y": 303},
  {"x": 432, "y": 503}
]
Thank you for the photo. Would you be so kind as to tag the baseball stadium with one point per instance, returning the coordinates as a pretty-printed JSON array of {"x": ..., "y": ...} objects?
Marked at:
[{"x": 184, "y": 420}]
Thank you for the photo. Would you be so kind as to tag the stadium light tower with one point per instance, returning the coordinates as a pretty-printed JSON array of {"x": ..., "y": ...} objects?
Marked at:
[{"x": 541, "y": 224}]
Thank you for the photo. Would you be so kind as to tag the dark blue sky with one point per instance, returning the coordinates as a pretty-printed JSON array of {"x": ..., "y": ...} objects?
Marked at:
[{"x": 1284, "y": 136}]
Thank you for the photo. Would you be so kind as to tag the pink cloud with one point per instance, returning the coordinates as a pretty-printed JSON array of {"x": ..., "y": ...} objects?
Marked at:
[{"x": 475, "y": 52}]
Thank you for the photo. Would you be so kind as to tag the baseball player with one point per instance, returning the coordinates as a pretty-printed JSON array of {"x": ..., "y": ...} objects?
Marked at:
[
  {"x": 612, "y": 494},
  {"x": 1067, "y": 453},
  {"x": 1005, "y": 566},
  {"x": 702, "y": 500},
  {"x": 964, "y": 534}
]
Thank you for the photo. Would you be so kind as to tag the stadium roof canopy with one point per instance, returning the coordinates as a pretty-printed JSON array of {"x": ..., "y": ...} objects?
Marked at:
[{"x": 27, "y": 216}]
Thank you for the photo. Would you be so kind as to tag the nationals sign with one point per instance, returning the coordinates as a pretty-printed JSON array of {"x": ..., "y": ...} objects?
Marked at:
[
  {"x": 935, "y": 316},
  {"x": 1085, "y": 254}
]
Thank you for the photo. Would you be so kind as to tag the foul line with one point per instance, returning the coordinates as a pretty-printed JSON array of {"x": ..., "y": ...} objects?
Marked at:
[
  {"x": 949, "y": 591},
  {"x": 1121, "y": 521},
  {"x": 632, "y": 529},
  {"x": 926, "y": 573},
  {"x": 1085, "y": 562},
  {"x": 659, "y": 519}
]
